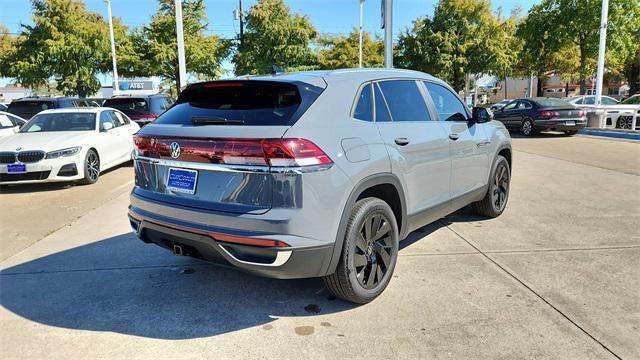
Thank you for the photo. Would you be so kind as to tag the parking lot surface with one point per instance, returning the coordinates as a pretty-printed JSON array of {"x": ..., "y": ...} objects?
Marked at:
[{"x": 556, "y": 276}]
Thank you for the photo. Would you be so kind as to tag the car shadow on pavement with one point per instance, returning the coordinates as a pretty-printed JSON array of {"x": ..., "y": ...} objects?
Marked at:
[{"x": 125, "y": 286}]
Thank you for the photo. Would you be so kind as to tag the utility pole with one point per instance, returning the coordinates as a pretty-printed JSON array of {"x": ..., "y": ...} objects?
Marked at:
[
  {"x": 182, "y": 68},
  {"x": 601, "y": 50},
  {"x": 241, "y": 18},
  {"x": 360, "y": 48},
  {"x": 116, "y": 88},
  {"x": 387, "y": 25}
]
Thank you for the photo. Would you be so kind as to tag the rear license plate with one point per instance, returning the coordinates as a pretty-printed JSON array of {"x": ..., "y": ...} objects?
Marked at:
[
  {"x": 570, "y": 123},
  {"x": 182, "y": 180},
  {"x": 16, "y": 168}
]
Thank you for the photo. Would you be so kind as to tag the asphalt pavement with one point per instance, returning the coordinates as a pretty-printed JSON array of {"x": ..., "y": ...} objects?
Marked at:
[{"x": 556, "y": 276}]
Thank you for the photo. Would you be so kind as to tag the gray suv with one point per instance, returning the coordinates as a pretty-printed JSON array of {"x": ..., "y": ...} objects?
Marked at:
[{"x": 314, "y": 174}]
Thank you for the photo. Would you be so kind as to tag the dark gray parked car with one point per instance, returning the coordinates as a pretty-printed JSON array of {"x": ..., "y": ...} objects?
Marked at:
[{"x": 314, "y": 174}]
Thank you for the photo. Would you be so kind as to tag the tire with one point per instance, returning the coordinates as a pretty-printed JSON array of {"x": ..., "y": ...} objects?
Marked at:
[
  {"x": 91, "y": 168},
  {"x": 624, "y": 122},
  {"x": 493, "y": 204},
  {"x": 526, "y": 128},
  {"x": 570, "y": 132},
  {"x": 357, "y": 278}
]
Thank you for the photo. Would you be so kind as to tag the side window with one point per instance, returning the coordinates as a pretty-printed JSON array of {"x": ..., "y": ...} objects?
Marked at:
[
  {"x": 579, "y": 101},
  {"x": 16, "y": 121},
  {"x": 404, "y": 100},
  {"x": 448, "y": 105},
  {"x": 105, "y": 117},
  {"x": 121, "y": 118},
  {"x": 117, "y": 120},
  {"x": 5, "y": 122},
  {"x": 589, "y": 101},
  {"x": 159, "y": 105},
  {"x": 510, "y": 106},
  {"x": 608, "y": 101},
  {"x": 522, "y": 105},
  {"x": 382, "y": 111},
  {"x": 364, "y": 106}
]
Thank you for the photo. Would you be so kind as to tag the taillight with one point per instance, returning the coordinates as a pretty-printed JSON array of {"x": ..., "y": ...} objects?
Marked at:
[
  {"x": 582, "y": 113},
  {"x": 260, "y": 152},
  {"x": 549, "y": 114}
]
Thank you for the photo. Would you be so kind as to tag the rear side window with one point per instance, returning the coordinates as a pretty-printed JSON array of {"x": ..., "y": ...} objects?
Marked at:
[
  {"x": 404, "y": 100},
  {"x": 159, "y": 105},
  {"x": 448, "y": 106},
  {"x": 364, "y": 105},
  {"x": 382, "y": 111},
  {"x": 241, "y": 103}
]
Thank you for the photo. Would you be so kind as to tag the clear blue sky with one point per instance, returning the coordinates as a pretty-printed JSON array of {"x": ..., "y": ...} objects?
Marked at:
[{"x": 328, "y": 16}]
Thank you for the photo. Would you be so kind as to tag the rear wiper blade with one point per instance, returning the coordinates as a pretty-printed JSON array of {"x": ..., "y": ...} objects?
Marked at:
[{"x": 214, "y": 120}]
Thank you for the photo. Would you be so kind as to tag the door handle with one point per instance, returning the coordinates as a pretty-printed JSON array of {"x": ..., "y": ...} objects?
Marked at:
[
  {"x": 402, "y": 141},
  {"x": 483, "y": 143},
  {"x": 454, "y": 137}
]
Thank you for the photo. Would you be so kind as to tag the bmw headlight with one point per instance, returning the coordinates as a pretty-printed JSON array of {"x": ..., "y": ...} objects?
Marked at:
[{"x": 63, "y": 152}]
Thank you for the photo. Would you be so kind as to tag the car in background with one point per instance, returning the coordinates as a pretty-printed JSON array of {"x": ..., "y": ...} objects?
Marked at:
[
  {"x": 141, "y": 109},
  {"x": 67, "y": 145},
  {"x": 619, "y": 115},
  {"x": 500, "y": 104},
  {"x": 532, "y": 115},
  {"x": 3, "y": 107},
  {"x": 10, "y": 124},
  {"x": 27, "y": 107}
]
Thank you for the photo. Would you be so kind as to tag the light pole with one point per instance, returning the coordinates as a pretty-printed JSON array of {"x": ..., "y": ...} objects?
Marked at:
[
  {"x": 116, "y": 88},
  {"x": 360, "y": 48},
  {"x": 387, "y": 25},
  {"x": 601, "y": 50},
  {"x": 182, "y": 68}
]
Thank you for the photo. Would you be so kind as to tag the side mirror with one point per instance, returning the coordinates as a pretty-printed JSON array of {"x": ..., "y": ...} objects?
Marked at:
[
  {"x": 481, "y": 115},
  {"x": 106, "y": 127}
]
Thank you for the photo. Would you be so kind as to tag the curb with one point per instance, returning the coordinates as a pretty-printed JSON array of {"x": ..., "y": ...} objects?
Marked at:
[{"x": 611, "y": 134}]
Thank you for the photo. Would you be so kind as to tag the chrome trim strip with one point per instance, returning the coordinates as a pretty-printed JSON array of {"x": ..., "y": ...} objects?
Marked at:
[
  {"x": 281, "y": 258},
  {"x": 235, "y": 168}
]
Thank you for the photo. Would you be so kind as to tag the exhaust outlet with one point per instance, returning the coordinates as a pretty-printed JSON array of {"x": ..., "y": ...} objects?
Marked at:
[{"x": 177, "y": 249}]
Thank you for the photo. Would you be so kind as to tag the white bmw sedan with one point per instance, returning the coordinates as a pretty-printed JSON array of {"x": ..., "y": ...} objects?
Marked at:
[{"x": 72, "y": 144}]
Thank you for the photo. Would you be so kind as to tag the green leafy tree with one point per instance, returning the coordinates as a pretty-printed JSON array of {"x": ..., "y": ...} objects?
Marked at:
[
  {"x": 274, "y": 36},
  {"x": 463, "y": 36},
  {"x": 7, "y": 45},
  {"x": 203, "y": 53},
  {"x": 577, "y": 22},
  {"x": 66, "y": 43},
  {"x": 338, "y": 51}
]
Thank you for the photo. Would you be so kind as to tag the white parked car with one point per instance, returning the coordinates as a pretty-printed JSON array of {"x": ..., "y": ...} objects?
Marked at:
[
  {"x": 618, "y": 115},
  {"x": 71, "y": 144},
  {"x": 10, "y": 124}
]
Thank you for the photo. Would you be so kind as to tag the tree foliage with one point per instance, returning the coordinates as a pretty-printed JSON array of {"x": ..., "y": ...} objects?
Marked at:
[
  {"x": 274, "y": 36},
  {"x": 339, "y": 51},
  {"x": 203, "y": 53},
  {"x": 463, "y": 36},
  {"x": 66, "y": 43}
]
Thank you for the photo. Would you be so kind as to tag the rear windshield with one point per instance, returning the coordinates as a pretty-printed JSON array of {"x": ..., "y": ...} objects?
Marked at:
[
  {"x": 36, "y": 106},
  {"x": 129, "y": 106},
  {"x": 241, "y": 103},
  {"x": 551, "y": 102}
]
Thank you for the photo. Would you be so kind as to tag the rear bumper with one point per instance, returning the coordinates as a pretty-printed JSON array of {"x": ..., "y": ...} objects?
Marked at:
[
  {"x": 560, "y": 125},
  {"x": 212, "y": 244}
]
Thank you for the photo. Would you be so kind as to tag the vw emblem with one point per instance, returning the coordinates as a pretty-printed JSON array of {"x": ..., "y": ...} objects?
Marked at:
[
  {"x": 175, "y": 150},
  {"x": 19, "y": 148},
  {"x": 569, "y": 113}
]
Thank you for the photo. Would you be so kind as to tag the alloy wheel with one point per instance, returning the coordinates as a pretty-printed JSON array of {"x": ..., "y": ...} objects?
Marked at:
[
  {"x": 527, "y": 127},
  {"x": 373, "y": 252},
  {"x": 500, "y": 188},
  {"x": 93, "y": 166}
]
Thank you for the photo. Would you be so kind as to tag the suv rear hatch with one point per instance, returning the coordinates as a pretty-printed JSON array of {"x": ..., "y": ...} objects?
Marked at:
[
  {"x": 216, "y": 147},
  {"x": 26, "y": 109},
  {"x": 136, "y": 108}
]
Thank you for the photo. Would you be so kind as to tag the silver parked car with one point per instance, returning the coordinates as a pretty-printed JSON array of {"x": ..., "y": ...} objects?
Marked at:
[{"x": 315, "y": 174}]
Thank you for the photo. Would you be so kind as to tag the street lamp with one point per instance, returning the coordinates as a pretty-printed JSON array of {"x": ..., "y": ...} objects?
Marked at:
[
  {"x": 116, "y": 88},
  {"x": 182, "y": 68},
  {"x": 387, "y": 25},
  {"x": 360, "y": 48},
  {"x": 601, "y": 50}
]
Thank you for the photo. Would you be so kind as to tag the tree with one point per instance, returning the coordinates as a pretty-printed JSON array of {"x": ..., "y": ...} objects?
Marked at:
[
  {"x": 7, "y": 45},
  {"x": 577, "y": 22},
  {"x": 338, "y": 51},
  {"x": 274, "y": 36},
  {"x": 66, "y": 43},
  {"x": 462, "y": 37},
  {"x": 203, "y": 53}
]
